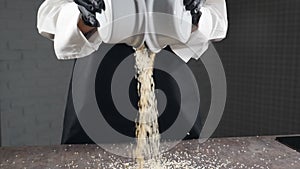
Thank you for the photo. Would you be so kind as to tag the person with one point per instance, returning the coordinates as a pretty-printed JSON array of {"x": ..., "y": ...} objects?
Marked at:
[{"x": 72, "y": 26}]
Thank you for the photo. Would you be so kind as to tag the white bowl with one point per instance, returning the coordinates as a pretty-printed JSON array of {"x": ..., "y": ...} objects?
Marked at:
[
  {"x": 168, "y": 23},
  {"x": 123, "y": 21},
  {"x": 158, "y": 22}
]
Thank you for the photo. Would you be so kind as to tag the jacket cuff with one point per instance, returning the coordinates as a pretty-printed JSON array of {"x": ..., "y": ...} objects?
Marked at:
[
  {"x": 194, "y": 48},
  {"x": 69, "y": 41}
]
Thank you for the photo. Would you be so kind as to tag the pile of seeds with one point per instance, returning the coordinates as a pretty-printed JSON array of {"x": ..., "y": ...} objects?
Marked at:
[{"x": 225, "y": 153}]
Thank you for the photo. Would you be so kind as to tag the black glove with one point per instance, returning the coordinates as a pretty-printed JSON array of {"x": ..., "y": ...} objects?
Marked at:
[
  {"x": 88, "y": 9},
  {"x": 194, "y": 6}
]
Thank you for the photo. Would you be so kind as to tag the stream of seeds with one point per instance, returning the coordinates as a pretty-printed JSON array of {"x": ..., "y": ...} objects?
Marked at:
[{"x": 147, "y": 131}]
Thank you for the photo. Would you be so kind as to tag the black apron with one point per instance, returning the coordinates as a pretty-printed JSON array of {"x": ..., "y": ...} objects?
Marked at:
[{"x": 73, "y": 132}]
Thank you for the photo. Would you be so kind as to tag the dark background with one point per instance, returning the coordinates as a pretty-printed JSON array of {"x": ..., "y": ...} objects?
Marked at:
[
  {"x": 261, "y": 61},
  {"x": 260, "y": 58}
]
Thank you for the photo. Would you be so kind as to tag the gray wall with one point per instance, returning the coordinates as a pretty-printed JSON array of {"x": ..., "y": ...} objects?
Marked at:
[{"x": 32, "y": 82}]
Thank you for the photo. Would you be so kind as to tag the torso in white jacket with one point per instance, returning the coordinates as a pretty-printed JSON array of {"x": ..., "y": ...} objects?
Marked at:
[{"x": 57, "y": 20}]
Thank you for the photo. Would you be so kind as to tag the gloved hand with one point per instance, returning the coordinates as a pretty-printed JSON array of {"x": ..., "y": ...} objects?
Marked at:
[
  {"x": 194, "y": 6},
  {"x": 88, "y": 9}
]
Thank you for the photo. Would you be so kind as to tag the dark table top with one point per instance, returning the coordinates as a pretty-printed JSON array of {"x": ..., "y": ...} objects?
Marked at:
[{"x": 246, "y": 152}]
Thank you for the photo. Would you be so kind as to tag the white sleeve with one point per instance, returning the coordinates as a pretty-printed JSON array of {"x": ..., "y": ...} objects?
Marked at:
[
  {"x": 213, "y": 25},
  {"x": 57, "y": 20}
]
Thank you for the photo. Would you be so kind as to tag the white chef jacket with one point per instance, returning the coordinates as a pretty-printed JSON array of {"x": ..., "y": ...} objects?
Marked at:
[{"x": 57, "y": 20}]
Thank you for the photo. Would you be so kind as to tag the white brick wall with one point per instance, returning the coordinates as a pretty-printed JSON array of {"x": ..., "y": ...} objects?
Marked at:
[{"x": 33, "y": 83}]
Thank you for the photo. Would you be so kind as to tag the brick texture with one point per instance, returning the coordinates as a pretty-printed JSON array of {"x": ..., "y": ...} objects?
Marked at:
[{"x": 33, "y": 82}]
